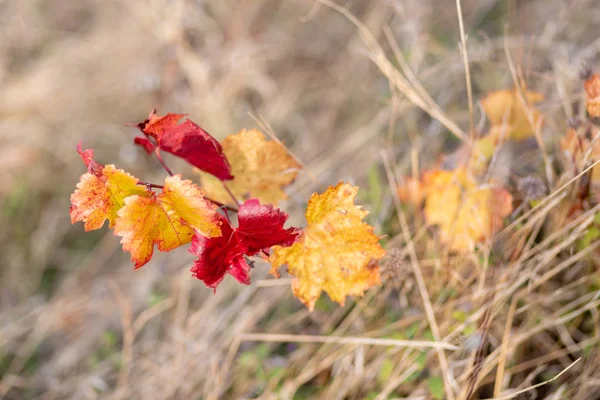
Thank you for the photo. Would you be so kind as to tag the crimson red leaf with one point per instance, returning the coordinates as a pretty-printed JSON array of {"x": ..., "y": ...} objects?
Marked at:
[
  {"x": 260, "y": 227},
  {"x": 145, "y": 143},
  {"x": 187, "y": 140}
]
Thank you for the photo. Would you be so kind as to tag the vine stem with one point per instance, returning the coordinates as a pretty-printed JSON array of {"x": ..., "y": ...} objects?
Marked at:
[
  {"x": 235, "y": 200},
  {"x": 215, "y": 202},
  {"x": 161, "y": 161}
]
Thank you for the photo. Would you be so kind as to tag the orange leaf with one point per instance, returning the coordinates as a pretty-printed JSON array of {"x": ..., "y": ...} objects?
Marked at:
[
  {"x": 466, "y": 213},
  {"x": 508, "y": 116},
  {"x": 337, "y": 252},
  {"x": 592, "y": 95},
  {"x": 261, "y": 168},
  {"x": 411, "y": 191},
  {"x": 167, "y": 219},
  {"x": 99, "y": 197}
]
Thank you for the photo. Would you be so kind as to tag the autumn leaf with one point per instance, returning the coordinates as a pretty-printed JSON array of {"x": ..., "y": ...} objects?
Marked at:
[
  {"x": 101, "y": 192},
  {"x": 410, "y": 191},
  {"x": 259, "y": 228},
  {"x": 467, "y": 214},
  {"x": 337, "y": 252},
  {"x": 167, "y": 220},
  {"x": 186, "y": 140},
  {"x": 592, "y": 95},
  {"x": 261, "y": 169},
  {"x": 508, "y": 116}
]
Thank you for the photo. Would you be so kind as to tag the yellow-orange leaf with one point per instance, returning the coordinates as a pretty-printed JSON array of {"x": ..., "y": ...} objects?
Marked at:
[
  {"x": 411, "y": 191},
  {"x": 167, "y": 220},
  {"x": 466, "y": 213},
  {"x": 337, "y": 252},
  {"x": 261, "y": 168},
  {"x": 592, "y": 95},
  {"x": 509, "y": 116},
  {"x": 98, "y": 198}
]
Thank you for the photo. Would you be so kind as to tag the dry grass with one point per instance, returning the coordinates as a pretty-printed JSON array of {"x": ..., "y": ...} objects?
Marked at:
[{"x": 365, "y": 95}]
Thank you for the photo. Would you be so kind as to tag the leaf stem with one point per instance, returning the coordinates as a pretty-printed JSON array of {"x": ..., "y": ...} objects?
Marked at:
[
  {"x": 235, "y": 200},
  {"x": 162, "y": 162},
  {"x": 215, "y": 202}
]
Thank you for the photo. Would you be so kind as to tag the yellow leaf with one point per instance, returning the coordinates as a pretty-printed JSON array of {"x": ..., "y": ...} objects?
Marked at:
[
  {"x": 592, "y": 95},
  {"x": 337, "y": 252},
  {"x": 98, "y": 198},
  {"x": 261, "y": 168},
  {"x": 466, "y": 213},
  {"x": 507, "y": 115},
  {"x": 167, "y": 219}
]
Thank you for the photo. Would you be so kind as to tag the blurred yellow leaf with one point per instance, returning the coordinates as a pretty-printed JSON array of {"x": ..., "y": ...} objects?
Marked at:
[
  {"x": 508, "y": 116},
  {"x": 337, "y": 252},
  {"x": 466, "y": 213},
  {"x": 260, "y": 168},
  {"x": 592, "y": 95}
]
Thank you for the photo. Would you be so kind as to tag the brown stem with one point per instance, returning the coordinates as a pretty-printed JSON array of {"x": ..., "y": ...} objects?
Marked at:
[
  {"x": 215, "y": 202},
  {"x": 162, "y": 162},
  {"x": 235, "y": 200}
]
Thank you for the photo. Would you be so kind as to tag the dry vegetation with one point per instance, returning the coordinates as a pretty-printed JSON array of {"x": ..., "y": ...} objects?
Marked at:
[{"x": 76, "y": 321}]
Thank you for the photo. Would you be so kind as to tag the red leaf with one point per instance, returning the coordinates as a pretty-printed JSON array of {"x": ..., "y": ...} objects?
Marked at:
[
  {"x": 188, "y": 141},
  {"x": 145, "y": 143},
  {"x": 87, "y": 156},
  {"x": 260, "y": 227}
]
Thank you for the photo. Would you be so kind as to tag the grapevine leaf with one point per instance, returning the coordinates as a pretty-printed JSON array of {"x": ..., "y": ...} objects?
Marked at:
[
  {"x": 101, "y": 192},
  {"x": 337, "y": 253},
  {"x": 507, "y": 114},
  {"x": 186, "y": 140},
  {"x": 167, "y": 220},
  {"x": 466, "y": 213},
  {"x": 261, "y": 169},
  {"x": 260, "y": 227}
]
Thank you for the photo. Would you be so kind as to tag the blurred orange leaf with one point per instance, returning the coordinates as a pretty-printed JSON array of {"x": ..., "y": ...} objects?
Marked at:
[
  {"x": 411, "y": 191},
  {"x": 167, "y": 219},
  {"x": 261, "y": 168},
  {"x": 466, "y": 213},
  {"x": 508, "y": 116},
  {"x": 337, "y": 252},
  {"x": 592, "y": 95}
]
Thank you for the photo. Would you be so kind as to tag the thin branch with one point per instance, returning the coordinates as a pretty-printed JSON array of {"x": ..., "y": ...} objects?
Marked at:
[
  {"x": 162, "y": 162},
  {"x": 230, "y": 193},
  {"x": 273, "y": 337},
  {"x": 515, "y": 394},
  {"x": 215, "y": 202},
  {"x": 465, "y": 56}
]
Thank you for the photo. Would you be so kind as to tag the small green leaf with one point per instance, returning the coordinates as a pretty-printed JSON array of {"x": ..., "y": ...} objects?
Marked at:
[
  {"x": 387, "y": 367},
  {"x": 436, "y": 387}
]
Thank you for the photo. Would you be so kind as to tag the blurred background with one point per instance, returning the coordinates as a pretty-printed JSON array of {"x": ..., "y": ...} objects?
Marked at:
[{"x": 76, "y": 321}]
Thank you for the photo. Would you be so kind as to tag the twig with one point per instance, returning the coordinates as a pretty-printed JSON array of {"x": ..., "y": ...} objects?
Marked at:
[
  {"x": 463, "y": 45},
  {"x": 230, "y": 193},
  {"x": 215, "y": 202},
  {"x": 527, "y": 389},
  {"x": 162, "y": 162},
  {"x": 274, "y": 337}
]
